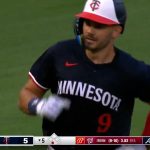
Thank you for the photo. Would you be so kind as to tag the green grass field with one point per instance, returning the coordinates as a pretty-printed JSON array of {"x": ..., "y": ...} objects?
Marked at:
[{"x": 29, "y": 27}]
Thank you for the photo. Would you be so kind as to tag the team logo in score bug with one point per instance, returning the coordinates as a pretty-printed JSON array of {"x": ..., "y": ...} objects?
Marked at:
[
  {"x": 146, "y": 140},
  {"x": 90, "y": 140},
  {"x": 6, "y": 140},
  {"x": 80, "y": 140}
]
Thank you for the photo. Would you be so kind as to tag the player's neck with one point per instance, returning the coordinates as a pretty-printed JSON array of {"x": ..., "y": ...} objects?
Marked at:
[{"x": 101, "y": 57}]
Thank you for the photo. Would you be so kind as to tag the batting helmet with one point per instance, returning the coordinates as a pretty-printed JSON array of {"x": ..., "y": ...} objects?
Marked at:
[{"x": 109, "y": 12}]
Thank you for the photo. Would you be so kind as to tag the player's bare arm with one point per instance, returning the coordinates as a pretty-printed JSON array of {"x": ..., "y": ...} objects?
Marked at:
[
  {"x": 28, "y": 92},
  {"x": 31, "y": 102}
]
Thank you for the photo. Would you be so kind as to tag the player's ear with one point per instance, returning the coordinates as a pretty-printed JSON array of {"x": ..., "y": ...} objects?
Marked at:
[{"x": 117, "y": 29}]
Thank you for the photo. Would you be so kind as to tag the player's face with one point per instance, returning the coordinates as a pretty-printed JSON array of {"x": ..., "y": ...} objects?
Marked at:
[{"x": 97, "y": 36}]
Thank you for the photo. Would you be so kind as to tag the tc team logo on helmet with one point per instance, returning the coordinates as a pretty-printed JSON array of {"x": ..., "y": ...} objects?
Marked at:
[{"x": 95, "y": 5}]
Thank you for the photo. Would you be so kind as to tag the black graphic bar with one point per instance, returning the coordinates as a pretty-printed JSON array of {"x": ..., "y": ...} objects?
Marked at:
[{"x": 16, "y": 141}]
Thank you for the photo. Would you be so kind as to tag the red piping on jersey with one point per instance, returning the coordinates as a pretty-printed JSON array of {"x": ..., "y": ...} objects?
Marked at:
[{"x": 36, "y": 83}]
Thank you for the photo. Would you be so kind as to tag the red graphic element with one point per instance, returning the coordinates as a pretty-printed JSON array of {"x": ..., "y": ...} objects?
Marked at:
[
  {"x": 67, "y": 64},
  {"x": 95, "y": 5},
  {"x": 104, "y": 122},
  {"x": 146, "y": 131},
  {"x": 80, "y": 140},
  {"x": 119, "y": 140},
  {"x": 113, "y": 140}
]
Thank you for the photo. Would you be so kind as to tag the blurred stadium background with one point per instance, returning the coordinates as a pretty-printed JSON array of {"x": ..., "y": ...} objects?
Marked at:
[{"x": 29, "y": 27}]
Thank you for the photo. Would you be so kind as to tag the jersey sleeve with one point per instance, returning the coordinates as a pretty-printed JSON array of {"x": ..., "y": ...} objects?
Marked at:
[
  {"x": 42, "y": 70},
  {"x": 143, "y": 83}
]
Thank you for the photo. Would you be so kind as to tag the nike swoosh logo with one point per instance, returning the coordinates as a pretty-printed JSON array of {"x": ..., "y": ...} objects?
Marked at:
[{"x": 67, "y": 64}]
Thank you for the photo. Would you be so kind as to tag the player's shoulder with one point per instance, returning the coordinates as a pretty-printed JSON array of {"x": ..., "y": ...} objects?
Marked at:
[
  {"x": 68, "y": 43},
  {"x": 131, "y": 64},
  {"x": 62, "y": 46}
]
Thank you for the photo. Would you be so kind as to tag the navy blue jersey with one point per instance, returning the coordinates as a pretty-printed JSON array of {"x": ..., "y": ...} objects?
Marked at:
[{"x": 102, "y": 95}]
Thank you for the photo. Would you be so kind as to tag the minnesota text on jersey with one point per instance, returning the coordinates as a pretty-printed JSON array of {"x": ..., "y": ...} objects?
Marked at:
[{"x": 90, "y": 92}]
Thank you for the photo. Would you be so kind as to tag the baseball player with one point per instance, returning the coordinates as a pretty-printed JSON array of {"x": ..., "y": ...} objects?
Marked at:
[{"x": 93, "y": 83}]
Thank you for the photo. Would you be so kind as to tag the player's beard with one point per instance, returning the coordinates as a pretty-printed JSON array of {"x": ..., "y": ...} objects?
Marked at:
[{"x": 95, "y": 45}]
